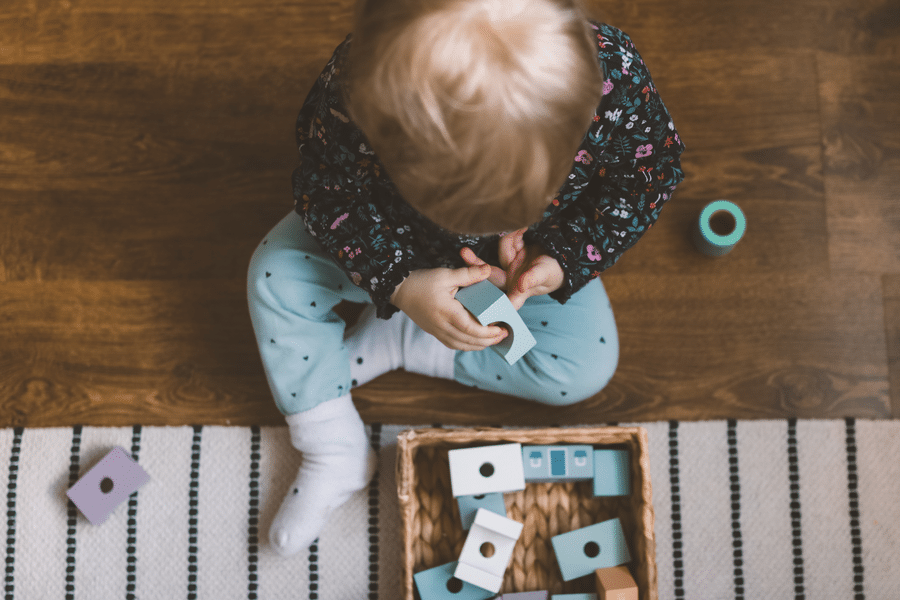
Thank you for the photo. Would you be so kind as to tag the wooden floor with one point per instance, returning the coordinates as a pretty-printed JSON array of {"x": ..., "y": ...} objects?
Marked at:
[{"x": 146, "y": 147}]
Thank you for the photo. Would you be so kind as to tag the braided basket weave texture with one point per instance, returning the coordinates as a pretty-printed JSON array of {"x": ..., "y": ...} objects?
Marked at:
[{"x": 433, "y": 534}]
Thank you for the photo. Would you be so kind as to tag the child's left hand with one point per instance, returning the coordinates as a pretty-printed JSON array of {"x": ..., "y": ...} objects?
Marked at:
[{"x": 528, "y": 271}]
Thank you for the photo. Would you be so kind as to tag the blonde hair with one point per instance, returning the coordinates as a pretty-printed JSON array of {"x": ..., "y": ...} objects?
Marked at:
[{"x": 476, "y": 108}]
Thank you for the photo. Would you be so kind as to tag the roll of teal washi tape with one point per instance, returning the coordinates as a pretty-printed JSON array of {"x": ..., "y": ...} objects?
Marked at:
[{"x": 721, "y": 225}]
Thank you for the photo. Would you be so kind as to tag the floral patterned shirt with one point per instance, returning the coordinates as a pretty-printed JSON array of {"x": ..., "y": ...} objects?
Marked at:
[{"x": 626, "y": 169}]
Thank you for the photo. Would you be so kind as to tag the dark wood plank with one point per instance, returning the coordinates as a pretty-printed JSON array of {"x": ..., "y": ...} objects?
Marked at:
[
  {"x": 178, "y": 352},
  {"x": 891, "y": 285},
  {"x": 153, "y": 352},
  {"x": 661, "y": 27},
  {"x": 861, "y": 135},
  {"x": 148, "y": 148},
  {"x": 779, "y": 190}
]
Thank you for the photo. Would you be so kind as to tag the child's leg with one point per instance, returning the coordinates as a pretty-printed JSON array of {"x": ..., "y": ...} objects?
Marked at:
[
  {"x": 292, "y": 288},
  {"x": 576, "y": 354},
  {"x": 311, "y": 363}
]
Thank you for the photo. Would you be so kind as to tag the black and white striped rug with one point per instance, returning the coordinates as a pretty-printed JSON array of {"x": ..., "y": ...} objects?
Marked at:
[{"x": 744, "y": 509}]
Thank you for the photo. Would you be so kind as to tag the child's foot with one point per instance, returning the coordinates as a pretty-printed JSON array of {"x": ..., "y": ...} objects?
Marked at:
[{"x": 337, "y": 462}]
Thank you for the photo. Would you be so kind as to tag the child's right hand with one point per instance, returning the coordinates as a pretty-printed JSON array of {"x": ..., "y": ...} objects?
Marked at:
[{"x": 428, "y": 297}]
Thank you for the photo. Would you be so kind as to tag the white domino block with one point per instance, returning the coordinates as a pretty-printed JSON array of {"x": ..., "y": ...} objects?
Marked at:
[
  {"x": 474, "y": 567},
  {"x": 486, "y": 469}
]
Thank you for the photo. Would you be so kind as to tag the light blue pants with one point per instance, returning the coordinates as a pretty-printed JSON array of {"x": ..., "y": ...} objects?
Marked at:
[{"x": 293, "y": 285}]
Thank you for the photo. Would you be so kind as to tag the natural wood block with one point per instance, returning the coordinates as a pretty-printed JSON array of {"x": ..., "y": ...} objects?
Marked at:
[{"x": 616, "y": 583}]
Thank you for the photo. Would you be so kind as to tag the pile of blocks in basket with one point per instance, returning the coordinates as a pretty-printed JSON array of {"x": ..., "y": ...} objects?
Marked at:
[{"x": 479, "y": 477}]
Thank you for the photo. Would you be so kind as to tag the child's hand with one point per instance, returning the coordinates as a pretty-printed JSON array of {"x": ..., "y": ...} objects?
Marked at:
[
  {"x": 529, "y": 272},
  {"x": 428, "y": 297}
]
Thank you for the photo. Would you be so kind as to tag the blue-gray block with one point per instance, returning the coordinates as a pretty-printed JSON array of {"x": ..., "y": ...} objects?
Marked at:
[
  {"x": 574, "y": 597},
  {"x": 542, "y": 595},
  {"x": 583, "y": 551},
  {"x": 546, "y": 464},
  {"x": 612, "y": 473},
  {"x": 469, "y": 505},
  {"x": 432, "y": 585},
  {"x": 489, "y": 305}
]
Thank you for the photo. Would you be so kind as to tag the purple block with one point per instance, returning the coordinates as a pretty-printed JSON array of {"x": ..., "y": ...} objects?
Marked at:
[
  {"x": 542, "y": 595},
  {"x": 107, "y": 485}
]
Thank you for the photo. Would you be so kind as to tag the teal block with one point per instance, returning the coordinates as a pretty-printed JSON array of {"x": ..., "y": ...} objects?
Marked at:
[
  {"x": 574, "y": 597},
  {"x": 489, "y": 305},
  {"x": 546, "y": 464},
  {"x": 612, "y": 473},
  {"x": 583, "y": 551},
  {"x": 439, "y": 583},
  {"x": 469, "y": 505}
]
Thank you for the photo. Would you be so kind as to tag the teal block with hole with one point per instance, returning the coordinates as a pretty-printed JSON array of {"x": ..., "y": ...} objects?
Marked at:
[
  {"x": 583, "y": 551},
  {"x": 439, "y": 583},
  {"x": 612, "y": 473},
  {"x": 469, "y": 505},
  {"x": 489, "y": 305}
]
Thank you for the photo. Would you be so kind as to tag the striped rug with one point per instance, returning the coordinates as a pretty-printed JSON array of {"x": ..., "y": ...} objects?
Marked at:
[{"x": 744, "y": 509}]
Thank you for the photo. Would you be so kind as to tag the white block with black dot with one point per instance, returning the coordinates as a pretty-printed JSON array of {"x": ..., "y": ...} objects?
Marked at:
[
  {"x": 486, "y": 469},
  {"x": 488, "y": 550}
]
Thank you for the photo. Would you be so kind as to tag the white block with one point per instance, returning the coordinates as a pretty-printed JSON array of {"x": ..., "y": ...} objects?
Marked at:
[
  {"x": 486, "y": 469},
  {"x": 477, "y": 569}
]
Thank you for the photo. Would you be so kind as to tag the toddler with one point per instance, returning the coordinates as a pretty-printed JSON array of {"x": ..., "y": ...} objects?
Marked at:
[{"x": 447, "y": 142}]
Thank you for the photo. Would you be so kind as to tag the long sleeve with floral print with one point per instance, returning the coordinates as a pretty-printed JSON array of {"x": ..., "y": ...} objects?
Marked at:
[{"x": 626, "y": 169}]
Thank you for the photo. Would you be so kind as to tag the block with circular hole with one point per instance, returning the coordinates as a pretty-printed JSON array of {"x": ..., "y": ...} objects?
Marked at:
[
  {"x": 488, "y": 550},
  {"x": 469, "y": 505},
  {"x": 616, "y": 583},
  {"x": 488, "y": 304},
  {"x": 542, "y": 595},
  {"x": 546, "y": 464},
  {"x": 439, "y": 583},
  {"x": 486, "y": 469},
  {"x": 107, "y": 485},
  {"x": 583, "y": 551},
  {"x": 612, "y": 473}
]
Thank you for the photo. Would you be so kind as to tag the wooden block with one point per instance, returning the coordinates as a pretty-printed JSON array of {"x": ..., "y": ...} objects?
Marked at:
[
  {"x": 469, "y": 505},
  {"x": 475, "y": 566},
  {"x": 616, "y": 583},
  {"x": 489, "y": 305},
  {"x": 546, "y": 464},
  {"x": 439, "y": 583},
  {"x": 486, "y": 469},
  {"x": 583, "y": 551},
  {"x": 107, "y": 485},
  {"x": 612, "y": 473}
]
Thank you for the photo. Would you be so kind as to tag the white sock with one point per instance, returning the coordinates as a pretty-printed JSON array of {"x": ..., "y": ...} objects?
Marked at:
[
  {"x": 375, "y": 346},
  {"x": 378, "y": 346},
  {"x": 337, "y": 462}
]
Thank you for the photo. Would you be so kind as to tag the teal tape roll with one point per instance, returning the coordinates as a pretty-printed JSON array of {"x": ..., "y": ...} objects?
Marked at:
[{"x": 721, "y": 225}]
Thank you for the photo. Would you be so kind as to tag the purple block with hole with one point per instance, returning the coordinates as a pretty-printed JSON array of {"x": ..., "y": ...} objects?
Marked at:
[{"x": 107, "y": 485}]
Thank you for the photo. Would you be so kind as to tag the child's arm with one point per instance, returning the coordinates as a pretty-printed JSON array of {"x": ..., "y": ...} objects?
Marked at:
[
  {"x": 630, "y": 167},
  {"x": 333, "y": 189}
]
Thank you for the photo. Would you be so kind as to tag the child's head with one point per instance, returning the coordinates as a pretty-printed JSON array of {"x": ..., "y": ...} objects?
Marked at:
[{"x": 475, "y": 107}]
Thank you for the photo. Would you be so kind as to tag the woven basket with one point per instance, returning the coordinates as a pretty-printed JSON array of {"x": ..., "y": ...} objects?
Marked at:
[{"x": 433, "y": 534}]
